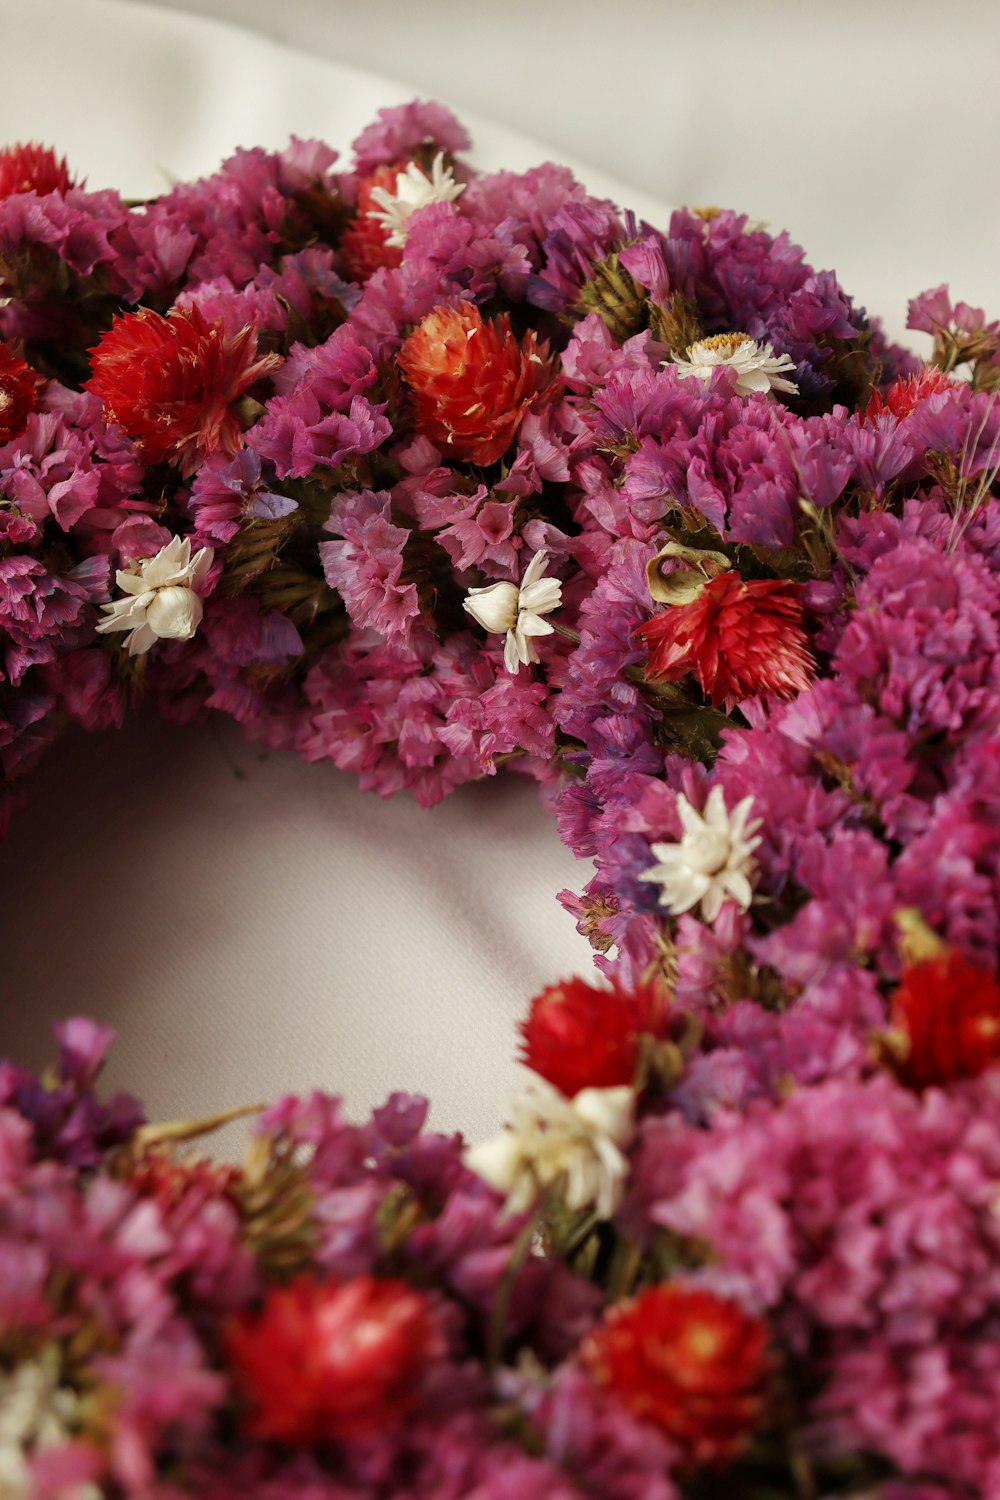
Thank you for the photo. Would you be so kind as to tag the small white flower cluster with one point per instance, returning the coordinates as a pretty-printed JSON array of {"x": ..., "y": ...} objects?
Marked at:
[
  {"x": 756, "y": 365},
  {"x": 161, "y": 602},
  {"x": 413, "y": 190},
  {"x": 35, "y": 1412},
  {"x": 713, "y": 861},
  {"x": 551, "y": 1139},
  {"x": 518, "y": 611}
]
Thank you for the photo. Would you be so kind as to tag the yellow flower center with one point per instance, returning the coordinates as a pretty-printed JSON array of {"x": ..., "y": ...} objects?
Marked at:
[{"x": 725, "y": 344}]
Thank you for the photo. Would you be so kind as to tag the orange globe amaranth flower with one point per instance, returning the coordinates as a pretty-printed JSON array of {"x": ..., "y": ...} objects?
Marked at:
[
  {"x": 949, "y": 1011},
  {"x": 363, "y": 244},
  {"x": 18, "y": 393},
  {"x": 32, "y": 168},
  {"x": 693, "y": 1363},
  {"x": 580, "y": 1035},
  {"x": 324, "y": 1362},
  {"x": 471, "y": 382},
  {"x": 171, "y": 383},
  {"x": 904, "y": 396},
  {"x": 738, "y": 637}
]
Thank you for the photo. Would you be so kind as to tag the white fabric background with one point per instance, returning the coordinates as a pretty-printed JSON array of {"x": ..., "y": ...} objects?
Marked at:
[{"x": 252, "y": 925}]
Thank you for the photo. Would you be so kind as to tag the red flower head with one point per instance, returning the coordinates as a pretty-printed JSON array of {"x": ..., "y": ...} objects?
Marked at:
[
  {"x": 32, "y": 169},
  {"x": 738, "y": 636},
  {"x": 18, "y": 392},
  {"x": 689, "y": 1361},
  {"x": 169, "y": 1179},
  {"x": 171, "y": 383},
  {"x": 580, "y": 1035},
  {"x": 949, "y": 1011},
  {"x": 363, "y": 245},
  {"x": 322, "y": 1362},
  {"x": 904, "y": 396},
  {"x": 471, "y": 381}
]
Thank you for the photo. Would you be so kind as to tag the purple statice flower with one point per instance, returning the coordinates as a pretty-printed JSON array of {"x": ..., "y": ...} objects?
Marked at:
[
  {"x": 248, "y": 214},
  {"x": 304, "y": 290},
  {"x": 864, "y": 1213},
  {"x": 377, "y": 711},
  {"x": 43, "y": 614},
  {"x": 441, "y": 243},
  {"x": 881, "y": 450},
  {"x": 70, "y": 467},
  {"x": 228, "y": 491},
  {"x": 84, "y": 686},
  {"x": 512, "y": 715},
  {"x": 366, "y": 567},
  {"x": 399, "y": 131},
  {"x": 934, "y": 312},
  {"x": 299, "y": 433},
  {"x": 580, "y": 233},
  {"x": 607, "y": 620},
  {"x": 645, "y": 262},
  {"x": 595, "y": 1439},
  {"x": 924, "y": 636},
  {"x": 74, "y": 228},
  {"x": 323, "y": 414},
  {"x": 68, "y": 1122},
  {"x": 521, "y": 205},
  {"x": 240, "y": 663},
  {"x": 476, "y": 531},
  {"x": 592, "y": 356},
  {"x": 741, "y": 462}
]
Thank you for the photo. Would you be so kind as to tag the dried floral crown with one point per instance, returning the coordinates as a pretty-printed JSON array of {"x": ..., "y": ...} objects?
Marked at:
[{"x": 433, "y": 473}]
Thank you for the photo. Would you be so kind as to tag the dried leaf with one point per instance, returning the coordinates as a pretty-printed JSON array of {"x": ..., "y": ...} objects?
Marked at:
[{"x": 686, "y": 583}]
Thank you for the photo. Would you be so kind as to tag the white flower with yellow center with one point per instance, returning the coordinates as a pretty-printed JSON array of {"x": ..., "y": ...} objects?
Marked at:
[
  {"x": 550, "y": 1139},
  {"x": 712, "y": 863},
  {"x": 413, "y": 190},
  {"x": 517, "y": 610},
  {"x": 756, "y": 365},
  {"x": 161, "y": 602}
]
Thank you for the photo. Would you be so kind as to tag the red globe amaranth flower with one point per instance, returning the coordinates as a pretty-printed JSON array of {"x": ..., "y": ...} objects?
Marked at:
[
  {"x": 171, "y": 383},
  {"x": 322, "y": 1362},
  {"x": 689, "y": 1361},
  {"x": 738, "y": 636},
  {"x": 949, "y": 1011},
  {"x": 33, "y": 169},
  {"x": 18, "y": 393},
  {"x": 363, "y": 244},
  {"x": 904, "y": 396},
  {"x": 168, "y": 1179},
  {"x": 580, "y": 1035},
  {"x": 472, "y": 382}
]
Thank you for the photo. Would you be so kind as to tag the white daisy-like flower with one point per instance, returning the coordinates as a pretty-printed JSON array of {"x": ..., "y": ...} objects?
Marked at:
[
  {"x": 756, "y": 365},
  {"x": 161, "y": 600},
  {"x": 518, "y": 611},
  {"x": 413, "y": 190},
  {"x": 35, "y": 1412},
  {"x": 552, "y": 1139},
  {"x": 713, "y": 861}
]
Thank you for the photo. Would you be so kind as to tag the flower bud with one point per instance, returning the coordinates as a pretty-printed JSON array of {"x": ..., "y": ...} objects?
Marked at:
[
  {"x": 174, "y": 613},
  {"x": 494, "y": 608}
]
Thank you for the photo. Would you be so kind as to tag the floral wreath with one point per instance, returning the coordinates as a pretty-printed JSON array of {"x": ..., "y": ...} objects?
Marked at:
[{"x": 433, "y": 473}]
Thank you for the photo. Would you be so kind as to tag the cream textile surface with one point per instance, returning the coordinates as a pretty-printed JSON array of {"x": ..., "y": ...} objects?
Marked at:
[{"x": 252, "y": 925}]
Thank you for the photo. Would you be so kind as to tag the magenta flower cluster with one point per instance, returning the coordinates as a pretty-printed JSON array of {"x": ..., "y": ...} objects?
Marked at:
[{"x": 714, "y": 460}]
